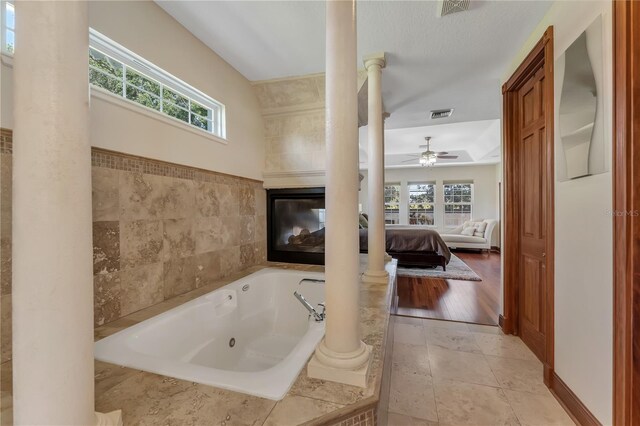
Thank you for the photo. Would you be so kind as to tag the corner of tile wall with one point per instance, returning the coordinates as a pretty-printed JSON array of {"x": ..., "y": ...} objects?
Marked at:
[
  {"x": 159, "y": 230},
  {"x": 6, "y": 150}
]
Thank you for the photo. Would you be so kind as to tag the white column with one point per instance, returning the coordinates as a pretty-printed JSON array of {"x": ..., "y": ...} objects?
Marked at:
[
  {"x": 376, "y": 257},
  {"x": 53, "y": 377},
  {"x": 404, "y": 202},
  {"x": 341, "y": 356},
  {"x": 385, "y": 115}
]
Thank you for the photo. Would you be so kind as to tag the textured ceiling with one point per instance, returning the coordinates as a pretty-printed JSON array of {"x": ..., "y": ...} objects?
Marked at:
[{"x": 453, "y": 61}]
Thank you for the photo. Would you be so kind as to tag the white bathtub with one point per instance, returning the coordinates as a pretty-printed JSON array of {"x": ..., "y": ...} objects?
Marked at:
[{"x": 250, "y": 336}]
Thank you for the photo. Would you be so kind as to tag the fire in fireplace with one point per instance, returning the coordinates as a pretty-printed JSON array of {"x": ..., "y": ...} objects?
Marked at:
[{"x": 295, "y": 225}]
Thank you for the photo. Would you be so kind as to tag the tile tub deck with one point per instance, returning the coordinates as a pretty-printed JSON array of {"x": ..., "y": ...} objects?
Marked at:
[{"x": 147, "y": 398}]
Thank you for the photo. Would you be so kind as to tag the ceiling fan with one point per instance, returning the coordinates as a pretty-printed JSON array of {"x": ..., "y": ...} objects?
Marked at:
[{"x": 428, "y": 157}]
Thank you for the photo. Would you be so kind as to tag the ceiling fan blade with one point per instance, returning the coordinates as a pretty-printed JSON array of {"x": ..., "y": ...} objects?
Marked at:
[
  {"x": 413, "y": 155},
  {"x": 447, "y": 157},
  {"x": 442, "y": 153},
  {"x": 409, "y": 161},
  {"x": 422, "y": 146}
]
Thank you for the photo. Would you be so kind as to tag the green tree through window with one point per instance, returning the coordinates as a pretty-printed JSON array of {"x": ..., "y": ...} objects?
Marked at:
[
  {"x": 105, "y": 72},
  {"x": 117, "y": 78},
  {"x": 421, "y": 204},
  {"x": 9, "y": 25},
  {"x": 458, "y": 201},
  {"x": 130, "y": 78},
  {"x": 392, "y": 203}
]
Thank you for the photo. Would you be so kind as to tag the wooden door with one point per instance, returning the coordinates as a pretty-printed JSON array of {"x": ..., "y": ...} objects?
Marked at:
[
  {"x": 532, "y": 259},
  {"x": 626, "y": 190}
]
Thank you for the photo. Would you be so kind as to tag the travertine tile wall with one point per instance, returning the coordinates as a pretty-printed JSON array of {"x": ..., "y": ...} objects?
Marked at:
[
  {"x": 157, "y": 236},
  {"x": 367, "y": 417},
  {"x": 159, "y": 230},
  {"x": 6, "y": 149}
]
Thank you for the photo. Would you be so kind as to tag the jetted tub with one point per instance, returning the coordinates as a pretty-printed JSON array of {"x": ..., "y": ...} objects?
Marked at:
[{"x": 250, "y": 336}]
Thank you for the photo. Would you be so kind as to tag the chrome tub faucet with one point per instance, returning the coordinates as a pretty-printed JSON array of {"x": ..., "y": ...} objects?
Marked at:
[{"x": 318, "y": 316}]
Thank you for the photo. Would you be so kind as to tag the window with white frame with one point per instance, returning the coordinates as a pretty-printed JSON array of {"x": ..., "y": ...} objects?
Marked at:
[
  {"x": 392, "y": 203},
  {"x": 119, "y": 71},
  {"x": 8, "y": 28},
  {"x": 458, "y": 203},
  {"x": 115, "y": 69},
  {"x": 422, "y": 199}
]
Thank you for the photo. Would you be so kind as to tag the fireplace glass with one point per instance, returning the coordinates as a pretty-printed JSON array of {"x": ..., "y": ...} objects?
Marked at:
[{"x": 296, "y": 225}]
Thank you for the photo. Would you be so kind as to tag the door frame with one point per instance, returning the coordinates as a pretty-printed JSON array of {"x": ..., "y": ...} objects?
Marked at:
[
  {"x": 540, "y": 55},
  {"x": 626, "y": 199}
]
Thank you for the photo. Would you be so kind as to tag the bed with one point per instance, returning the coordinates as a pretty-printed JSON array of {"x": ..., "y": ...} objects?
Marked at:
[
  {"x": 413, "y": 247},
  {"x": 422, "y": 248}
]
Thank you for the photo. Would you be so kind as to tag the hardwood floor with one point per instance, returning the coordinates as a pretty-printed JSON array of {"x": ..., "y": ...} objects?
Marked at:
[{"x": 454, "y": 300}]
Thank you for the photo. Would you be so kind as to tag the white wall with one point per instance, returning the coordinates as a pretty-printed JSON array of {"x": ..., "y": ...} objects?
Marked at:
[
  {"x": 583, "y": 238},
  {"x": 144, "y": 28},
  {"x": 499, "y": 202},
  {"x": 484, "y": 179}
]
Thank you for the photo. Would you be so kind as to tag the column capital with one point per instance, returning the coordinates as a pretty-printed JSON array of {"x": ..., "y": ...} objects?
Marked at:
[{"x": 378, "y": 58}]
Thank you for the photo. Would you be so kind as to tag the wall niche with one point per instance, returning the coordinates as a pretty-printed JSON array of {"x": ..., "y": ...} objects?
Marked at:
[{"x": 582, "y": 147}]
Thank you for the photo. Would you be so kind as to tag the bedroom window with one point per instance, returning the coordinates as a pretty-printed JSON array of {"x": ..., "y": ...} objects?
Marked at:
[
  {"x": 8, "y": 27},
  {"x": 422, "y": 203},
  {"x": 115, "y": 69},
  {"x": 392, "y": 203},
  {"x": 458, "y": 203}
]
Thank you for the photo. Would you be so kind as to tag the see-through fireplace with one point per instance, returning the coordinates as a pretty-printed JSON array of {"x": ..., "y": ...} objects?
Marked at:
[{"x": 295, "y": 225}]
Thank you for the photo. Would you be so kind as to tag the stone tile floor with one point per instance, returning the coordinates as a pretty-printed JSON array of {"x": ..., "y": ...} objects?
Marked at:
[{"x": 451, "y": 373}]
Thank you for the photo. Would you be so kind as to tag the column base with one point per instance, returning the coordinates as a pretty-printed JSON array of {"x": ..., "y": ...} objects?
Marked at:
[
  {"x": 381, "y": 277},
  {"x": 355, "y": 377},
  {"x": 113, "y": 418}
]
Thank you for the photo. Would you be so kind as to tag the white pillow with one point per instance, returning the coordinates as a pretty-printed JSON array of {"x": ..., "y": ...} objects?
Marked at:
[
  {"x": 470, "y": 230},
  {"x": 480, "y": 228},
  {"x": 456, "y": 230}
]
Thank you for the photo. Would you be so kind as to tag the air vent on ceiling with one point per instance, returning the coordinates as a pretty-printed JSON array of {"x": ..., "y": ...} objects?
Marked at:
[
  {"x": 441, "y": 113},
  {"x": 447, "y": 7}
]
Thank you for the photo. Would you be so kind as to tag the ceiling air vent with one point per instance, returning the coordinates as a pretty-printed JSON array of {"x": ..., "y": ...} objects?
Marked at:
[
  {"x": 441, "y": 113},
  {"x": 447, "y": 7}
]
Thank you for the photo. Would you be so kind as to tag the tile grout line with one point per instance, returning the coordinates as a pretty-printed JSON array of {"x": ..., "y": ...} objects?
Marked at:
[
  {"x": 433, "y": 381},
  {"x": 270, "y": 412},
  {"x": 320, "y": 399},
  {"x": 499, "y": 386},
  {"x": 475, "y": 335},
  {"x": 429, "y": 375},
  {"x": 484, "y": 356}
]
